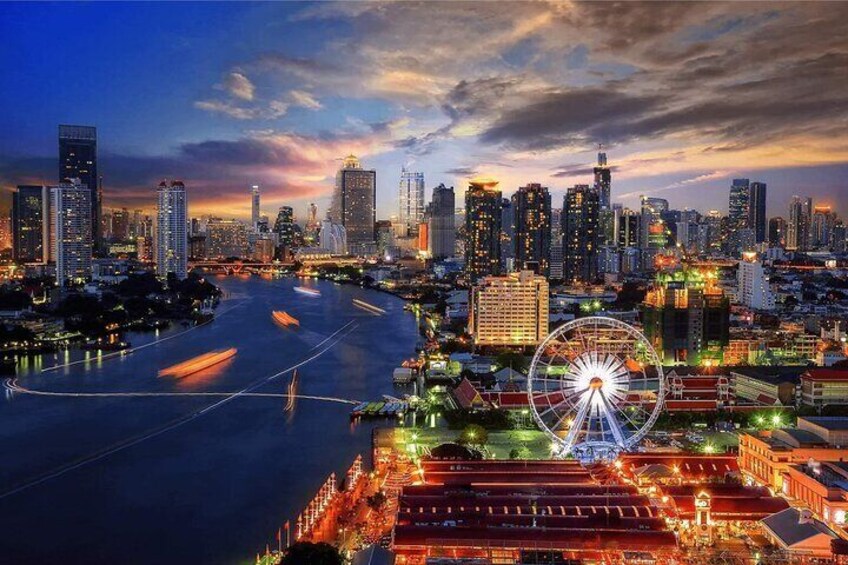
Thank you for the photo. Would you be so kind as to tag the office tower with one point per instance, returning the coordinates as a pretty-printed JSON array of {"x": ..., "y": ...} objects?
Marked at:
[
  {"x": 753, "y": 288},
  {"x": 686, "y": 232},
  {"x": 333, "y": 237},
  {"x": 509, "y": 310},
  {"x": 821, "y": 228},
  {"x": 144, "y": 248},
  {"x": 580, "y": 215},
  {"x": 713, "y": 221},
  {"x": 556, "y": 244},
  {"x": 757, "y": 210},
  {"x": 120, "y": 224},
  {"x": 531, "y": 208},
  {"x": 385, "y": 238},
  {"x": 254, "y": 208},
  {"x": 739, "y": 204},
  {"x": 284, "y": 226},
  {"x": 171, "y": 229},
  {"x": 70, "y": 211},
  {"x": 313, "y": 226},
  {"x": 6, "y": 232},
  {"x": 263, "y": 250},
  {"x": 798, "y": 228},
  {"x": 603, "y": 181},
  {"x": 31, "y": 224},
  {"x": 654, "y": 235},
  {"x": 626, "y": 228},
  {"x": 442, "y": 223},
  {"x": 777, "y": 232},
  {"x": 354, "y": 205},
  {"x": 507, "y": 237},
  {"x": 410, "y": 201},
  {"x": 226, "y": 238},
  {"x": 686, "y": 317},
  {"x": 482, "y": 229},
  {"x": 197, "y": 246},
  {"x": 78, "y": 160}
]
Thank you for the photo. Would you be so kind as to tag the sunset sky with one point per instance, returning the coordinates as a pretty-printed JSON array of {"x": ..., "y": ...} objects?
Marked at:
[{"x": 684, "y": 96}]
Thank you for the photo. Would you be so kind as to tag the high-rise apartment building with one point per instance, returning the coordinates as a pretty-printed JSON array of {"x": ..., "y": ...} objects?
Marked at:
[
  {"x": 120, "y": 228},
  {"x": 739, "y": 203},
  {"x": 482, "y": 229},
  {"x": 603, "y": 181},
  {"x": 78, "y": 160},
  {"x": 556, "y": 244},
  {"x": 333, "y": 237},
  {"x": 757, "y": 210},
  {"x": 354, "y": 205},
  {"x": 531, "y": 208},
  {"x": 254, "y": 207},
  {"x": 70, "y": 211},
  {"x": 626, "y": 228},
  {"x": 442, "y": 240},
  {"x": 507, "y": 236},
  {"x": 821, "y": 228},
  {"x": 171, "y": 229},
  {"x": 509, "y": 310},
  {"x": 410, "y": 201},
  {"x": 752, "y": 283},
  {"x": 31, "y": 224},
  {"x": 580, "y": 225},
  {"x": 226, "y": 238},
  {"x": 654, "y": 234}
]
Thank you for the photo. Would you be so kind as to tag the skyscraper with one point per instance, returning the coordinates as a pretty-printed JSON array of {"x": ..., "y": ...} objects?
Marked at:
[
  {"x": 653, "y": 230},
  {"x": 354, "y": 205},
  {"x": 821, "y": 227},
  {"x": 411, "y": 201},
  {"x": 507, "y": 236},
  {"x": 70, "y": 211},
  {"x": 442, "y": 239},
  {"x": 757, "y": 210},
  {"x": 482, "y": 229},
  {"x": 31, "y": 224},
  {"x": 531, "y": 208},
  {"x": 603, "y": 180},
  {"x": 555, "y": 272},
  {"x": 78, "y": 160},
  {"x": 284, "y": 226},
  {"x": 171, "y": 230},
  {"x": 777, "y": 232},
  {"x": 739, "y": 203},
  {"x": 798, "y": 228},
  {"x": 226, "y": 238},
  {"x": 254, "y": 208},
  {"x": 580, "y": 218}
]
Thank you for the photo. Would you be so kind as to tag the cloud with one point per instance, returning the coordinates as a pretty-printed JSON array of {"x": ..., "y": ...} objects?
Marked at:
[
  {"x": 274, "y": 109},
  {"x": 305, "y": 100},
  {"x": 462, "y": 172},
  {"x": 578, "y": 170},
  {"x": 239, "y": 86}
]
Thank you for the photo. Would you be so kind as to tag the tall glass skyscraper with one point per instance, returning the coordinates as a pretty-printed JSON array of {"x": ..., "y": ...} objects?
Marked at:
[
  {"x": 354, "y": 205},
  {"x": 31, "y": 224},
  {"x": 172, "y": 230},
  {"x": 284, "y": 226},
  {"x": 254, "y": 208},
  {"x": 78, "y": 160},
  {"x": 757, "y": 210},
  {"x": 603, "y": 181},
  {"x": 411, "y": 201}
]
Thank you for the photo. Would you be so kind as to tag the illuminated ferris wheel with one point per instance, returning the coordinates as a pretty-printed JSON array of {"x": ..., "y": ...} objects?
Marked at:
[{"x": 596, "y": 387}]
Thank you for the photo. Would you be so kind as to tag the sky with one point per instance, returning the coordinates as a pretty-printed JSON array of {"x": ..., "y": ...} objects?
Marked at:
[{"x": 684, "y": 97}]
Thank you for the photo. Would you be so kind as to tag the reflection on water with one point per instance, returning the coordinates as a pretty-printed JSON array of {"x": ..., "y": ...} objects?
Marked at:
[{"x": 236, "y": 473}]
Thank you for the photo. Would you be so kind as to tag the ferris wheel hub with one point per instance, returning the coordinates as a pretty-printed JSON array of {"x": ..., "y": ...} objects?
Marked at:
[{"x": 596, "y": 383}]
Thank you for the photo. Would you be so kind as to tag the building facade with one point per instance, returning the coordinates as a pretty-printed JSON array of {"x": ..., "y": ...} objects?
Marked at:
[
  {"x": 531, "y": 208},
  {"x": 753, "y": 286},
  {"x": 580, "y": 225},
  {"x": 78, "y": 160},
  {"x": 226, "y": 238},
  {"x": 442, "y": 240},
  {"x": 410, "y": 201},
  {"x": 31, "y": 224},
  {"x": 284, "y": 226},
  {"x": 509, "y": 310},
  {"x": 757, "y": 210},
  {"x": 172, "y": 230},
  {"x": 603, "y": 181},
  {"x": 354, "y": 205},
  {"x": 70, "y": 210},
  {"x": 482, "y": 229}
]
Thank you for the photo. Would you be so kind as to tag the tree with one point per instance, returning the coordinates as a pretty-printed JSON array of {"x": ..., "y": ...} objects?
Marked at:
[
  {"x": 519, "y": 453},
  {"x": 307, "y": 553},
  {"x": 473, "y": 435},
  {"x": 511, "y": 359}
]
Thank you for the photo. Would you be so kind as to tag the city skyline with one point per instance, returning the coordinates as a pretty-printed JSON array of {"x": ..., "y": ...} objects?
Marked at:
[{"x": 529, "y": 104}]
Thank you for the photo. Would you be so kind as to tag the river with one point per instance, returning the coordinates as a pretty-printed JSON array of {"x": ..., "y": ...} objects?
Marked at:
[{"x": 176, "y": 479}]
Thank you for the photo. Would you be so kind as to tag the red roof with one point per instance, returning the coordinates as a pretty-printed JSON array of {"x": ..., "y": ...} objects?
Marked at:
[
  {"x": 689, "y": 466},
  {"x": 822, "y": 375},
  {"x": 690, "y": 405},
  {"x": 507, "y": 399},
  {"x": 766, "y": 400},
  {"x": 733, "y": 508},
  {"x": 467, "y": 396}
]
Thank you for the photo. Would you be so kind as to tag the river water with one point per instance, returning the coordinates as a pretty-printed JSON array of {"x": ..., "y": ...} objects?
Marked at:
[{"x": 176, "y": 479}]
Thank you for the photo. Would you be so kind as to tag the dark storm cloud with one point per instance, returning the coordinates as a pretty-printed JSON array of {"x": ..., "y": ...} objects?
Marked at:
[{"x": 461, "y": 172}]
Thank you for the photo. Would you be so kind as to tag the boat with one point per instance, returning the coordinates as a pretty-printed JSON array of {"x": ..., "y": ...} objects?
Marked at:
[
  {"x": 357, "y": 410},
  {"x": 284, "y": 319},
  {"x": 196, "y": 364},
  {"x": 307, "y": 291},
  {"x": 368, "y": 307}
]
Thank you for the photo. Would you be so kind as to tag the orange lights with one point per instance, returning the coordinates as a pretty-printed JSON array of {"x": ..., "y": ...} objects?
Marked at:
[
  {"x": 198, "y": 363},
  {"x": 284, "y": 319}
]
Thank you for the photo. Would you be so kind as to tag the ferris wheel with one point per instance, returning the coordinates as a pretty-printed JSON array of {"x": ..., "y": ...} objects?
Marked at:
[{"x": 596, "y": 387}]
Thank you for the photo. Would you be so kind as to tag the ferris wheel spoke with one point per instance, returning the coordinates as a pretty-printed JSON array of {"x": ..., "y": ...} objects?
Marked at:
[
  {"x": 565, "y": 399},
  {"x": 612, "y": 423},
  {"x": 579, "y": 419}
]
